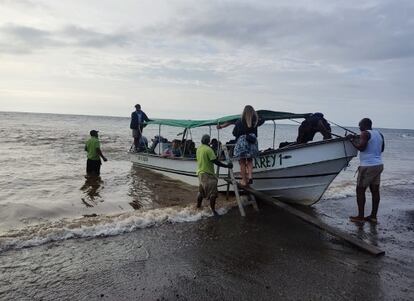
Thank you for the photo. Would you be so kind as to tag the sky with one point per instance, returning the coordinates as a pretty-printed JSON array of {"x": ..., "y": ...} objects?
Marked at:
[{"x": 204, "y": 59}]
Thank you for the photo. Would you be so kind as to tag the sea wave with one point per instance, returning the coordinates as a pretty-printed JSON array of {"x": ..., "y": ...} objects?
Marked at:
[
  {"x": 101, "y": 226},
  {"x": 347, "y": 188}
]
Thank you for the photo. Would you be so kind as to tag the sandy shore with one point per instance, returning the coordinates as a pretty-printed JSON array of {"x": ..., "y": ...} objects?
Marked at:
[{"x": 266, "y": 256}]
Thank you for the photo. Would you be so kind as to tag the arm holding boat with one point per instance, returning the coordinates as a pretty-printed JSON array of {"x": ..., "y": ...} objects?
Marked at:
[
  {"x": 145, "y": 117},
  {"x": 224, "y": 125},
  {"x": 363, "y": 141},
  {"x": 221, "y": 164},
  {"x": 326, "y": 132}
]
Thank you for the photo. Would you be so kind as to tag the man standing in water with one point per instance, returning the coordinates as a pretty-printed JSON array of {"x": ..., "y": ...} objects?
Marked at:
[
  {"x": 93, "y": 147},
  {"x": 138, "y": 118},
  {"x": 206, "y": 158},
  {"x": 370, "y": 146}
]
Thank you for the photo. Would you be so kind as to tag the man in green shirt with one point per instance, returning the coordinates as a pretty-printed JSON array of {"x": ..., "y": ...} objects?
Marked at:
[
  {"x": 93, "y": 147},
  {"x": 206, "y": 158}
]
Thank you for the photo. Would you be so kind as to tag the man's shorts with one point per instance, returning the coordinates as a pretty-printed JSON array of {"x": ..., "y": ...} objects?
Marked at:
[
  {"x": 93, "y": 167},
  {"x": 207, "y": 186},
  {"x": 369, "y": 175}
]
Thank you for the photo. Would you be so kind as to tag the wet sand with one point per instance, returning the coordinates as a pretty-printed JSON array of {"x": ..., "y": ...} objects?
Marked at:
[{"x": 265, "y": 256}]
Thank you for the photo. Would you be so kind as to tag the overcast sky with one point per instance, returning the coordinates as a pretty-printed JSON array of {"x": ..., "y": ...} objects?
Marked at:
[{"x": 201, "y": 59}]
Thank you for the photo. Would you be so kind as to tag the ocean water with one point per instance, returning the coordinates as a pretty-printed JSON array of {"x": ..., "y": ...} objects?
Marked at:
[{"x": 44, "y": 195}]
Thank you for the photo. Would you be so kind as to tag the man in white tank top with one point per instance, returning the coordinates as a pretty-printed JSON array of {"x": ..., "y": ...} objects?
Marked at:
[{"x": 370, "y": 146}]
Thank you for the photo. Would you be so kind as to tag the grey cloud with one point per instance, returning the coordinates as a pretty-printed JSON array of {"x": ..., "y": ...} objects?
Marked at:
[
  {"x": 17, "y": 39},
  {"x": 89, "y": 38},
  {"x": 378, "y": 32},
  {"x": 22, "y": 3}
]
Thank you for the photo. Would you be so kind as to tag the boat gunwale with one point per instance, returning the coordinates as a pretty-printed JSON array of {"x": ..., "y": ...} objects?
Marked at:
[{"x": 263, "y": 153}]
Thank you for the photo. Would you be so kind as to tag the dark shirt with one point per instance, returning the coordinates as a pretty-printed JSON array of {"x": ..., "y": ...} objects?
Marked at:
[
  {"x": 241, "y": 128},
  {"x": 311, "y": 125},
  {"x": 137, "y": 119},
  {"x": 313, "y": 121}
]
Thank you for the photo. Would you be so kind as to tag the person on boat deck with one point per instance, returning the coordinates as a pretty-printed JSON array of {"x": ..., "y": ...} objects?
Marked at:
[
  {"x": 138, "y": 117},
  {"x": 189, "y": 149},
  {"x": 206, "y": 158},
  {"x": 245, "y": 131},
  {"x": 311, "y": 125},
  {"x": 174, "y": 150},
  {"x": 143, "y": 144},
  {"x": 214, "y": 144},
  {"x": 370, "y": 145},
  {"x": 93, "y": 147},
  {"x": 154, "y": 143}
]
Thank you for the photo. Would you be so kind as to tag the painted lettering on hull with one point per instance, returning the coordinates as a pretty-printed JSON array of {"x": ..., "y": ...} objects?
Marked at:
[
  {"x": 142, "y": 158},
  {"x": 269, "y": 161},
  {"x": 265, "y": 161}
]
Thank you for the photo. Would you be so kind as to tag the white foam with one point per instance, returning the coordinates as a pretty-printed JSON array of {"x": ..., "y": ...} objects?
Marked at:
[
  {"x": 344, "y": 190},
  {"x": 105, "y": 225}
]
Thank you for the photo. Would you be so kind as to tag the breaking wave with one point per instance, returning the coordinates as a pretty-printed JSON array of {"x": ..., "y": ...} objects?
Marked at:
[{"x": 101, "y": 226}]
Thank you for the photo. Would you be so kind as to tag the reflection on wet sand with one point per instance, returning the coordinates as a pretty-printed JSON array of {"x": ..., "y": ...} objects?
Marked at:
[
  {"x": 148, "y": 189},
  {"x": 369, "y": 267},
  {"x": 91, "y": 191}
]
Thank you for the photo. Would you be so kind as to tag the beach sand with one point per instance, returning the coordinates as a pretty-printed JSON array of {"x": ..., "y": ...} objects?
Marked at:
[{"x": 268, "y": 255}]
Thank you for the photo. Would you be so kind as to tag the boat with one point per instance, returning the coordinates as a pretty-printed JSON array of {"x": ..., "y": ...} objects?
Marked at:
[{"x": 296, "y": 173}]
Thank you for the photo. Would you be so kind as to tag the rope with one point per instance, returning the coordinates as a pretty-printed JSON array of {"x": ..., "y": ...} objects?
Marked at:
[{"x": 344, "y": 128}]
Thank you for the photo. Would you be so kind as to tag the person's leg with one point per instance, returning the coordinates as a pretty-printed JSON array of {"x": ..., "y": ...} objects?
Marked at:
[
  {"x": 199, "y": 200},
  {"x": 375, "y": 191},
  {"x": 91, "y": 168},
  {"x": 245, "y": 176},
  {"x": 137, "y": 138},
  {"x": 98, "y": 168},
  {"x": 213, "y": 205},
  {"x": 134, "y": 135},
  {"x": 360, "y": 196},
  {"x": 249, "y": 166},
  {"x": 201, "y": 191},
  {"x": 243, "y": 172},
  {"x": 88, "y": 167}
]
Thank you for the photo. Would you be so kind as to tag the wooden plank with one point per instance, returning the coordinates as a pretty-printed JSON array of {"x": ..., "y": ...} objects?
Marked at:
[
  {"x": 234, "y": 182},
  {"x": 316, "y": 222}
]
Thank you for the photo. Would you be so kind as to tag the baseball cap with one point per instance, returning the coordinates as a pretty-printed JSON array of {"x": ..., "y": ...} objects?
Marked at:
[{"x": 93, "y": 132}]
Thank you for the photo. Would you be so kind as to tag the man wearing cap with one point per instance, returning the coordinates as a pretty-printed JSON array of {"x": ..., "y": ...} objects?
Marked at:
[
  {"x": 206, "y": 158},
  {"x": 93, "y": 147},
  {"x": 138, "y": 117}
]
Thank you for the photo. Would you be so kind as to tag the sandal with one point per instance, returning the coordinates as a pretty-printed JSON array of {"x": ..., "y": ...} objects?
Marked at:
[
  {"x": 357, "y": 219},
  {"x": 371, "y": 219}
]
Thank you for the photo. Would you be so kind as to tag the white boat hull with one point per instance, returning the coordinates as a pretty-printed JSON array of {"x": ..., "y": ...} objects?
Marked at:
[{"x": 298, "y": 174}]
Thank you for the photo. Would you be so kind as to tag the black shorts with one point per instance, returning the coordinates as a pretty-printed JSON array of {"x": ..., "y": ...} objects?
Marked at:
[{"x": 93, "y": 167}]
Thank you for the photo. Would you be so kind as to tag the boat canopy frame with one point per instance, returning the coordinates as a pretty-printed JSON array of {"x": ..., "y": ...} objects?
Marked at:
[{"x": 189, "y": 124}]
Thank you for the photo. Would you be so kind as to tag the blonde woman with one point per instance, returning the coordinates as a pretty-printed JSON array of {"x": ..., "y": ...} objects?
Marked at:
[{"x": 245, "y": 131}]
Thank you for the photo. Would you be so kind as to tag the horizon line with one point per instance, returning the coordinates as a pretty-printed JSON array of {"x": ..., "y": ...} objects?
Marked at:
[{"x": 114, "y": 116}]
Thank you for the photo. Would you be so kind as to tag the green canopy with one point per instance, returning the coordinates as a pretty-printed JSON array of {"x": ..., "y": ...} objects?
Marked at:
[{"x": 263, "y": 114}]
